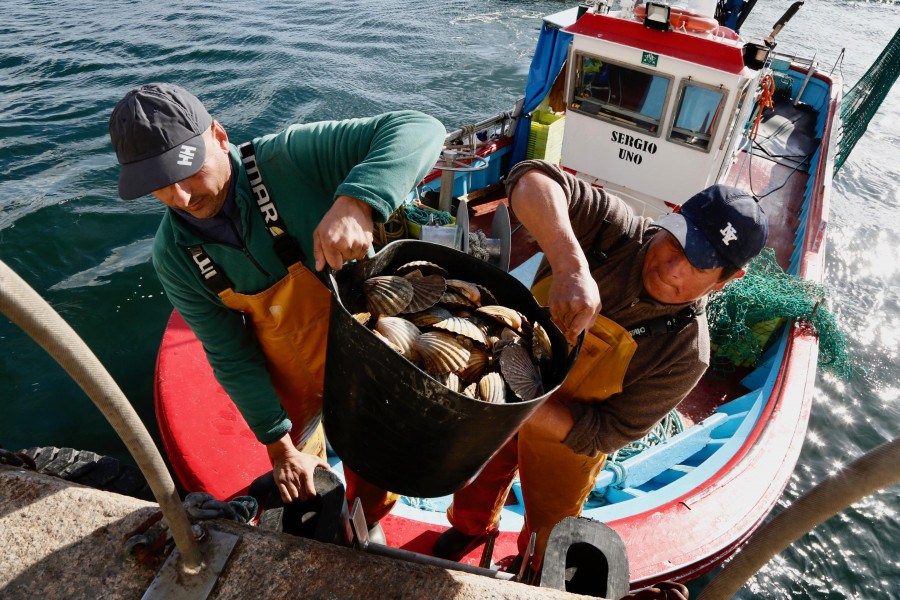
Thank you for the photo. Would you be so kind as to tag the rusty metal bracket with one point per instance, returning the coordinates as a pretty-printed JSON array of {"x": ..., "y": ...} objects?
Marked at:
[{"x": 174, "y": 582}]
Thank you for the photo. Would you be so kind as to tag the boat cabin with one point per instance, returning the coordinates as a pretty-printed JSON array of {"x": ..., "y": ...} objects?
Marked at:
[{"x": 655, "y": 116}]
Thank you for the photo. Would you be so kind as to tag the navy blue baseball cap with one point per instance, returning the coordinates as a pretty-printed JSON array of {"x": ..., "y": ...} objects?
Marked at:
[
  {"x": 719, "y": 227},
  {"x": 157, "y": 131}
]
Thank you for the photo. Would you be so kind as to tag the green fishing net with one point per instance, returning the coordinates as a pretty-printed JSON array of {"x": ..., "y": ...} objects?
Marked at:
[
  {"x": 746, "y": 312},
  {"x": 670, "y": 426},
  {"x": 861, "y": 103}
]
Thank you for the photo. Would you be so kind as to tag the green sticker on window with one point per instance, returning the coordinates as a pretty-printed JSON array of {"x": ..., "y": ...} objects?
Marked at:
[{"x": 650, "y": 59}]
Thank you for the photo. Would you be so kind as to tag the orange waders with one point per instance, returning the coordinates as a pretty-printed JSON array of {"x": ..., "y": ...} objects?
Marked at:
[
  {"x": 290, "y": 321},
  {"x": 555, "y": 480}
]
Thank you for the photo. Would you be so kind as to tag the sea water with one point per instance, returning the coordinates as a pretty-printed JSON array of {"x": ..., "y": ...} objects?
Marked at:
[{"x": 260, "y": 66}]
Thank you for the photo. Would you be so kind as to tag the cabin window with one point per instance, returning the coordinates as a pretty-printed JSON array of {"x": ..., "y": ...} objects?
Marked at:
[
  {"x": 698, "y": 112},
  {"x": 619, "y": 94}
]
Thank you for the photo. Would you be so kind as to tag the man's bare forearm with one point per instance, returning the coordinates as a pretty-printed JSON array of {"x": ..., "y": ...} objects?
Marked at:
[{"x": 540, "y": 204}]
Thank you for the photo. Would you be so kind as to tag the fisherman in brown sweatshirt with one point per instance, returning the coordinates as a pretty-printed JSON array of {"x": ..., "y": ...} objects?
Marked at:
[{"x": 637, "y": 288}]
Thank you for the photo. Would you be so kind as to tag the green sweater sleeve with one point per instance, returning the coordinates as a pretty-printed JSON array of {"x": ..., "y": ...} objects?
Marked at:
[{"x": 378, "y": 160}]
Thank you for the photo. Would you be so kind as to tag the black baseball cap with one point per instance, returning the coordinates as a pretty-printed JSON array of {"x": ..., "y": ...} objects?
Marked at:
[
  {"x": 719, "y": 227},
  {"x": 157, "y": 131}
]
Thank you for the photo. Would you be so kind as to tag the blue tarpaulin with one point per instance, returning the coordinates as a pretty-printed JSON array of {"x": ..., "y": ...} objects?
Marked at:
[
  {"x": 729, "y": 12},
  {"x": 549, "y": 57}
]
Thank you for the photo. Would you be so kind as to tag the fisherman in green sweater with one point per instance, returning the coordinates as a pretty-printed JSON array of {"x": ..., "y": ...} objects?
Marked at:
[{"x": 245, "y": 227}]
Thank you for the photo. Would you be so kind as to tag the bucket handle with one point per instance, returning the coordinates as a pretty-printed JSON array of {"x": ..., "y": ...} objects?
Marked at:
[
  {"x": 574, "y": 352},
  {"x": 328, "y": 276}
]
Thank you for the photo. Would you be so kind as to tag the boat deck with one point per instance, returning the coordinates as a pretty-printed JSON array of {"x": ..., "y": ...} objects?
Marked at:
[{"x": 776, "y": 171}]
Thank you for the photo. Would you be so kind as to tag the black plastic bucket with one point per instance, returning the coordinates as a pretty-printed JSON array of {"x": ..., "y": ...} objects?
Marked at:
[{"x": 388, "y": 420}]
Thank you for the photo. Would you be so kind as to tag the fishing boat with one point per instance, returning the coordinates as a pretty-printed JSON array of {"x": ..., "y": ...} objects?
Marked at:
[{"x": 653, "y": 103}]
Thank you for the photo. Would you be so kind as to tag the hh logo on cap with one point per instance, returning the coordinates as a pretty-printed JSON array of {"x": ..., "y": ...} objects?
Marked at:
[
  {"x": 186, "y": 156},
  {"x": 729, "y": 234}
]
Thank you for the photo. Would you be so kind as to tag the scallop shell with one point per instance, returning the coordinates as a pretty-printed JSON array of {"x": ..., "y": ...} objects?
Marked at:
[
  {"x": 463, "y": 327},
  {"x": 391, "y": 344},
  {"x": 479, "y": 360},
  {"x": 519, "y": 372},
  {"x": 440, "y": 352},
  {"x": 489, "y": 326},
  {"x": 400, "y": 332},
  {"x": 466, "y": 289},
  {"x": 471, "y": 390},
  {"x": 465, "y": 342},
  {"x": 426, "y": 292},
  {"x": 362, "y": 317},
  {"x": 509, "y": 317},
  {"x": 507, "y": 337},
  {"x": 451, "y": 382},
  {"x": 492, "y": 389},
  {"x": 541, "y": 349},
  {"x": 427, "y": 268},
  {"x": 387, "y": 295},
  {"x": 487, "y": 297},
  {"x": 453, "y": 298},
  {"x": 429, "y": 316}
]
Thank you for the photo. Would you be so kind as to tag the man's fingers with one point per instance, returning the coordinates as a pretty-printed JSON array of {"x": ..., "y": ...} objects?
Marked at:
[
  {"x": 582, "y": 321},
  {"x": 336, "y": 252},
  {"x": 308, "y": 484},
  {"x": 286, "y": 495},
  {"x": 572, "y": 321},
  {"x": 334, "y": 257},
  {"x": 318, "y": 254}
]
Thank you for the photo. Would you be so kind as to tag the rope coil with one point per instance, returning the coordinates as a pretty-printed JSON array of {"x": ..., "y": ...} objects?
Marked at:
[{"x": 423, "y": 216}]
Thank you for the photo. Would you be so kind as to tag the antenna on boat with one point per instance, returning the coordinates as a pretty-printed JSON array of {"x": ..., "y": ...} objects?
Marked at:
[{"x": 784, "y": 19}]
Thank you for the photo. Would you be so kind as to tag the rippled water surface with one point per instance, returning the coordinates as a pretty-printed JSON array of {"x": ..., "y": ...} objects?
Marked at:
[{"x": 260, "y": 66}]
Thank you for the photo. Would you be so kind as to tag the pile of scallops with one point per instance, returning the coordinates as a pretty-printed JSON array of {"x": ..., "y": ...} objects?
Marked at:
[{"x": 456, "y": 332}]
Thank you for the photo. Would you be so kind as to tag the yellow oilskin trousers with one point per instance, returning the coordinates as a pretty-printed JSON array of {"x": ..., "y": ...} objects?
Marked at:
[
  {"x": 555, "y": 480},
  {"x": 290, "y": 320}
]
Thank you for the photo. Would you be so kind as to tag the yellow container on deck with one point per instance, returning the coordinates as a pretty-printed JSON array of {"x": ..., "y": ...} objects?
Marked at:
[{"x": 545, "y": 136}]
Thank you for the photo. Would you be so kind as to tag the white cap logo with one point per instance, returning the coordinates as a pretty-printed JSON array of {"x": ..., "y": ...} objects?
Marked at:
[
  {"x": 186, "y": 155},
  {"x": 728, "y": 234}
]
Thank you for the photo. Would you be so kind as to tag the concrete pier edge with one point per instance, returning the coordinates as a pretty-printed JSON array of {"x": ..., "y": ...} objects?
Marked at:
[{"x": 64, "y": 540}]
